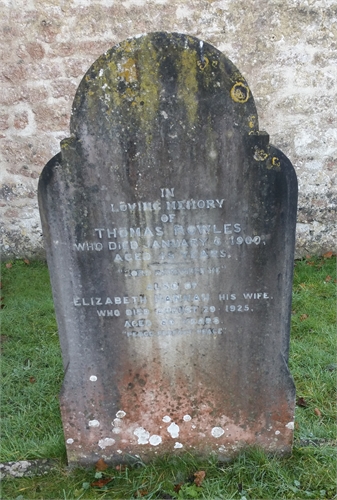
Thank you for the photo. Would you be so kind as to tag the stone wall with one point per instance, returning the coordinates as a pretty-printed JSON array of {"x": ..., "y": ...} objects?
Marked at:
[{"x": 286, "y": 49}]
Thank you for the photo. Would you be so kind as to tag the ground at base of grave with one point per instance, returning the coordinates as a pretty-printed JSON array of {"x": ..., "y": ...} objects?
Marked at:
[
  {"x": 32, "y": 376},
  {"x": 308, "y": 473}
]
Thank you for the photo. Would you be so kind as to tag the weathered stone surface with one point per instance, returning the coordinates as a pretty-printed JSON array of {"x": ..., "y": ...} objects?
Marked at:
[{"x": 169, "y": 223}]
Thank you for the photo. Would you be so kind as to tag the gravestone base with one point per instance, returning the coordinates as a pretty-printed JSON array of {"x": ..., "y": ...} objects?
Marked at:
[{"x": 202, "y": 433}]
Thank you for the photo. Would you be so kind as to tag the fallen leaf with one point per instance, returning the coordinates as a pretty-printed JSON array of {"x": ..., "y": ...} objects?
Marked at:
[
  {"x": 102, "y": 482},
  {"x": 121, "y": 467},
  {"x": 26, "y": 261},
  {"x": 141, "y": 493},
  {"x": 317, "y": 412},
  {"x": 32, "y": 380},
  {"x": 9, "y": 265},
  {"x": 301, "y": 402},
  {"x": 310, "y": 263},
  {"x": 308, "y": 256},
  {"x": 304, "y": 316},
  {"x": 328, "y": 255},
  {"x": 328, "y": 278},
  {"x": 177, "y": 487},
  {"x": 199, "y": 477},
  {"x": 101, "y": 465}
]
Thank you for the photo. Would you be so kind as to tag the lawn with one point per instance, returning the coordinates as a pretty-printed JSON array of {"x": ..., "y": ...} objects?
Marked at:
[{"x": 31, "y": 425}]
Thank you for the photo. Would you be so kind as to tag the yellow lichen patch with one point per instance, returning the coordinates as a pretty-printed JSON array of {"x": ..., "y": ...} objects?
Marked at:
[
  {"x": 110, "y": 80},
  {"x": 236, "y": 76},
  {"x": 187, "y": 83},
  {"x": 240, "y": 92},
  {"x": 128, "y": 45},
  {"x": 275, "y": 161},
  {"x": 67, "y": 143},
  {"x": 202, "y": 64},
  {"x": 260, "y": 154},
  {"x": 127, "y": 70},
  {"x": 252, "y": 121}
]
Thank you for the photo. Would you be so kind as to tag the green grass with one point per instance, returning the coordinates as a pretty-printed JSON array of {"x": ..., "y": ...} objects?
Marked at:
[
  {"x": 31, "y": 424},
  {"x": 313, "y": 346}
]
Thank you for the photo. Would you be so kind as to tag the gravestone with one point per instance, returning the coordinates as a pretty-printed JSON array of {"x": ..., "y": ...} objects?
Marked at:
[{"x": 169, "y": 226}]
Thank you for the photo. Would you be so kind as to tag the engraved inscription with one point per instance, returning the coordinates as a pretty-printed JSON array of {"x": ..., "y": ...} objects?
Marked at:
[{"x": 166, "y": 253}]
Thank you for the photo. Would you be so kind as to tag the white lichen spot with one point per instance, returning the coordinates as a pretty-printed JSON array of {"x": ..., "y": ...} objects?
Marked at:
[
  {"x": 164, "y": 114},
  {"x": 142, "y": 435},
  {"x": 119, "y": 451},
  {"x": 70, "y": 441},
  {"x": 117, "y": 422},
  {"x": 187, "y": 418},
  {"x": 166, "y": 419},
  {"x": 93, "y": 423},
  {"x": 116, "y": 430},
  {"x": 155, "y": 440},
  {"x": 194, "y": 426},
  {"x": 103, "y": 443},
  {"x": 101, "y": 71},
  {"x": 93, "y": 378},
  {"x": 120, "y": 414},
  {"x": 217, "y": 432},
  {"x": 173, "y": 430},
  {"x": 178, "y": 445},
  {"x": 290, "y": 425},
  {"x": 277, "y": 432},
  {"x": 222, "y": 449}
]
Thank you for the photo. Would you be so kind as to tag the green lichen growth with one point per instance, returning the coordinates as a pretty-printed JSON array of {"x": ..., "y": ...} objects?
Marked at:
[
  {"x": 188, "y": 84},
  {"x": 128, "y": 81},
  {"x": 149, "y": 85}
]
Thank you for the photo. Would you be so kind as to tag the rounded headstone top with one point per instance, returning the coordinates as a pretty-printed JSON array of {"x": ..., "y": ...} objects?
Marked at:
[{"x": 146, "y": 79}]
